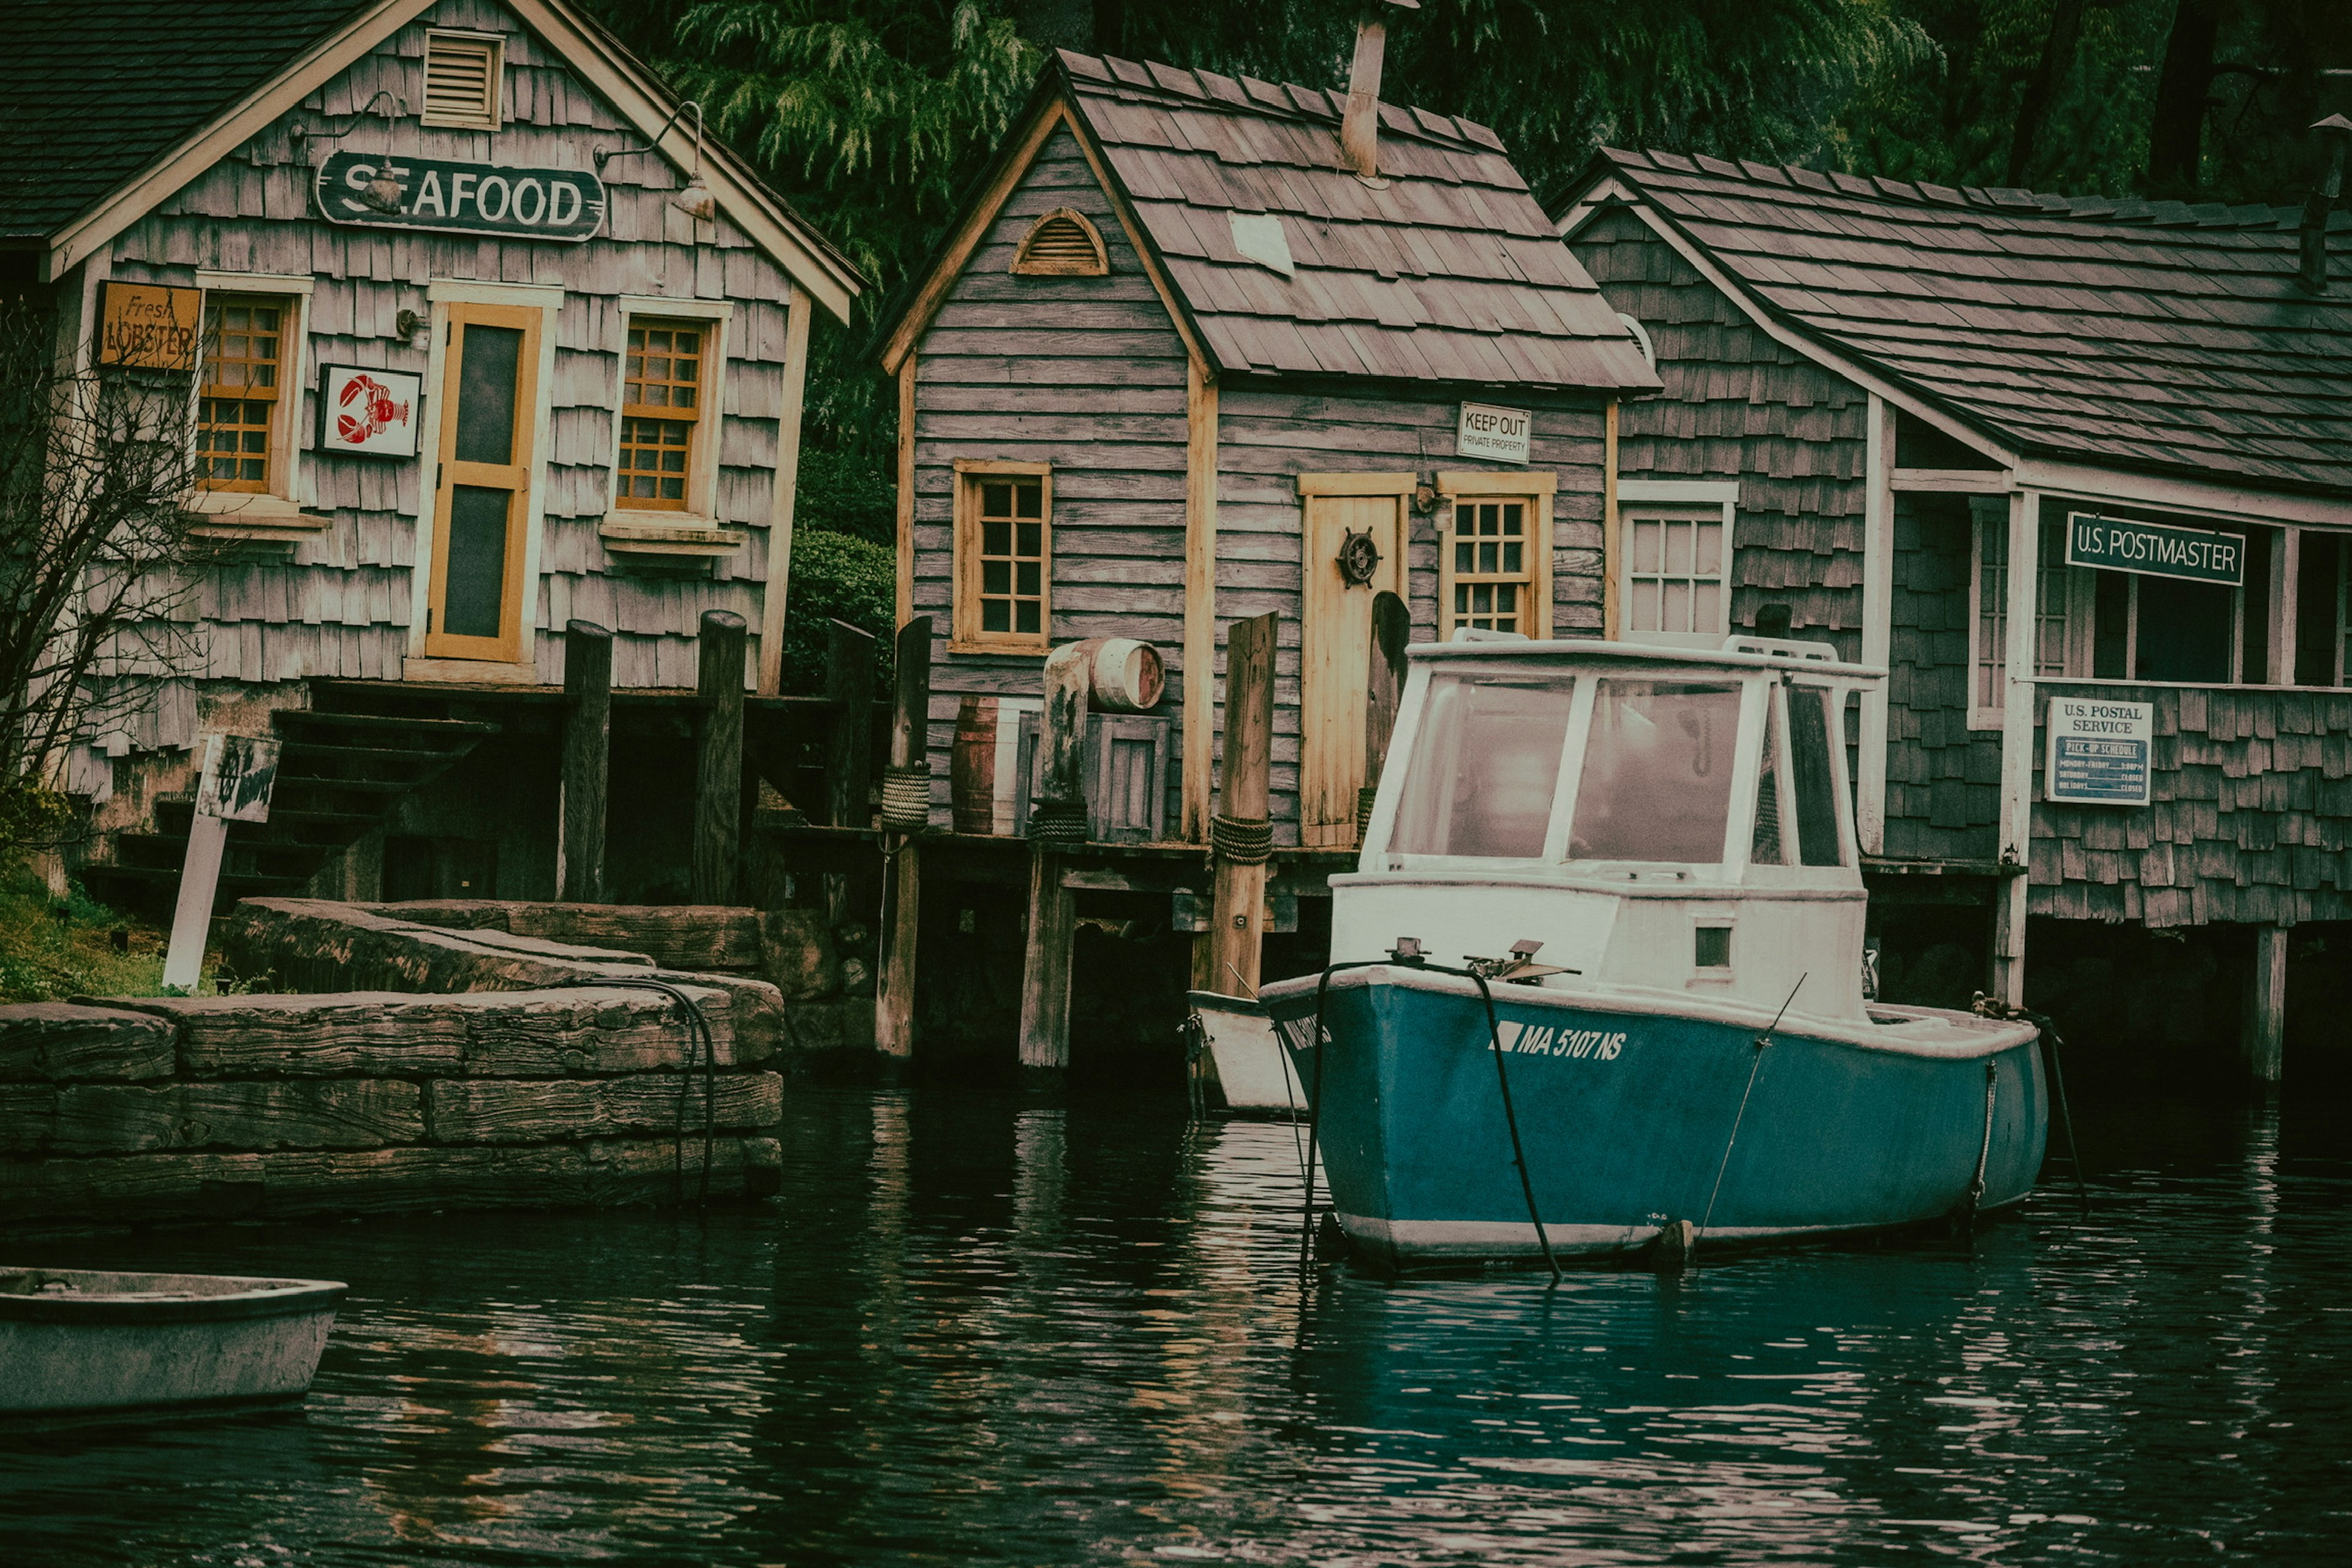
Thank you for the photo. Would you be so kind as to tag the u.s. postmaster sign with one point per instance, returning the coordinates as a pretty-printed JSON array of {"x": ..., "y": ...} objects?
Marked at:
[
  {"x": 448, "y": 197},
  {"x": 2154, "y": 549}
]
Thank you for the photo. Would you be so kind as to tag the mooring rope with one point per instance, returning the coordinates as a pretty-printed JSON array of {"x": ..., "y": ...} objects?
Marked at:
[
  {"x": 906, "y": 796},
  {"x": 698, "y": 1030},
  {"x": 1058, "y": 823},
  {"x": 1241, "y": 840},
  {"x": 1994, "y": 1007},
  {"x": 1754, "y": 1063},
  {"x": 1974, "y": 1196}
]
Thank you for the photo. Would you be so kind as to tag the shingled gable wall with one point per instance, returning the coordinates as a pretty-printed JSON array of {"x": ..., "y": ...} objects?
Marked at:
[
  {"x": 1088, "y": 373},
  {"x": 342, "y": 606}
]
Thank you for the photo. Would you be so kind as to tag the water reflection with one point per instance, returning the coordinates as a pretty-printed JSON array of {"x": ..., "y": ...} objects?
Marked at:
[{"x": 989, "y": 1332}]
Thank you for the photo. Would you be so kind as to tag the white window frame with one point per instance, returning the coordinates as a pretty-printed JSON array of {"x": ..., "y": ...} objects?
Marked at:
[
  {"x": 1673, "y": 500},
  {"x": 702, "y": 472},
  {"x": 282, "y": 506},
  {"x": 1537, "y": 491},
  {"x": 497, "y": 81}
]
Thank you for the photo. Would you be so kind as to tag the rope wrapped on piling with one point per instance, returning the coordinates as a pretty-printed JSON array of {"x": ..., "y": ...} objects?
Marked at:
[
  {"x": 907, "y": 798},
  {"x": 1241, "y": 840},
  {"x": 1058, "y": 824}
]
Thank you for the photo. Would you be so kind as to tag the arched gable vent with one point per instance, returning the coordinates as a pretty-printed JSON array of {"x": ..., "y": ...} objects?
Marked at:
[{"x": 1061, "y": 244}]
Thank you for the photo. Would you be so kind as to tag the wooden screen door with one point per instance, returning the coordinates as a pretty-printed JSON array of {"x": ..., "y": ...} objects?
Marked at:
[
  {"x": 481, "y": 510},
  {"x": 1335, "y": 655}
]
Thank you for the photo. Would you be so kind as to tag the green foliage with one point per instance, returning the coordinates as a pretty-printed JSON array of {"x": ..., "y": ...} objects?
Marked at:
[
  {"x": 841, "y": 493},
  {"x": 52, "y": 947},
  {"x": 837, "y": 576}
]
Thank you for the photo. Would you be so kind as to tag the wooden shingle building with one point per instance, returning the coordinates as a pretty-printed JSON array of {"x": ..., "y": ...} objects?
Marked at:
[
  {"x": 2080, "y": 471},
  {"x": 1202, "y": 349},
  {"x": 487, "y": 338}
]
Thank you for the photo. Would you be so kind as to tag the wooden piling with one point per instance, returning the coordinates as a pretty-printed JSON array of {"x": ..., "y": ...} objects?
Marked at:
[
  {"x": 1237, "y": 926},
  {"x": 719, "y": 762},
  {"x": 910, "y": 741},
  {"x": 849, "y": 757},
  {"x": 2265, "y": 1044},
  {"x": 587, "y": 758},
  {"x": 1058, "y": 810}
]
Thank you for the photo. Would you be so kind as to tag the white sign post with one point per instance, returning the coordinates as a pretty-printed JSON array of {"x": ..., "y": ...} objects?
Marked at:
[
  {"x": 1485, "y": 431},
  {"x": 239, "y": 772},
  {"x": 2100, "y": 753}
]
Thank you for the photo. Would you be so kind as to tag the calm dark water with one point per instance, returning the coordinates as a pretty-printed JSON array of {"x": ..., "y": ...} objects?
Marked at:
[{"x": 976, "y": 1333}]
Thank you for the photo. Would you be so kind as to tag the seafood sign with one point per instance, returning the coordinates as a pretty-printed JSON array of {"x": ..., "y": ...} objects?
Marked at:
[
  {"x": 381, "y": 191},
  {"x": 372, "y": 413}
]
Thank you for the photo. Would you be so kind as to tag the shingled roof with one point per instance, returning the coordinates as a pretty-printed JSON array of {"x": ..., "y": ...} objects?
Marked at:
[
  {"x": 99, "y": 89},
  {"x": 1447, "y": 271},
  {"x": 2142, "y": 335}
]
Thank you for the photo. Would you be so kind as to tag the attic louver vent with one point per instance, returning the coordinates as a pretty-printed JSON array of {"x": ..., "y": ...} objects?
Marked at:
[
  {"x": 462, "y": 73},
  {"x": 1061, "y": 244}
]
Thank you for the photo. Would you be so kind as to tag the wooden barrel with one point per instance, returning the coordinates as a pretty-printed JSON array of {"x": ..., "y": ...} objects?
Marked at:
[
  {"x": 972, "y": 766},
  {"x": 1127, "y": 676}
]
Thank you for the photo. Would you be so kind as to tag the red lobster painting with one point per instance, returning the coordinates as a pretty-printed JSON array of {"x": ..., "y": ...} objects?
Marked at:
[{"x": 367, "y": 410}]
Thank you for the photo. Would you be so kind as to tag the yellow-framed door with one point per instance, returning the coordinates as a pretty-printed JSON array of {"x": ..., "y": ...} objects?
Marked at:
[
  {"x": 479, "y": 604},
  {"x": 1335, "y": 653}
]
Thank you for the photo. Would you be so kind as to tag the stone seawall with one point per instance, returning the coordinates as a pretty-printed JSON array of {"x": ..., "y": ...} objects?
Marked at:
[{"x": 163, "y": 1110}]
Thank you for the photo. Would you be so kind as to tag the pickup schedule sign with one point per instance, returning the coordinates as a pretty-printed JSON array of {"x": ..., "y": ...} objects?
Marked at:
[
  {"x": 434, "y": 193},
  {"x": 2100, "y": 753},
  {"x": 2154, "y": 549}
]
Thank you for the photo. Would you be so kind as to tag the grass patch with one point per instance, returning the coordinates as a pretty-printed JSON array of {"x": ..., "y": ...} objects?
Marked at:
[{"x": 52, "y": 947}]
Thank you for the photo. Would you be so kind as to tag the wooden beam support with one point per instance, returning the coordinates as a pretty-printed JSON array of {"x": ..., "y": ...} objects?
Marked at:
[
  {"x": 2265, "y": 1029},
  {"x": 2018, "y": 653},
  {"x": 907, "y": 490},
  {"x": 910, "y": 743},
  {"x": 1238, "y": 924},
  {"x": 1045, "y": 961},
  {"x": 1612, "y": 544},
  {"x": 1200, "y": 674},
  {"x": 719, "y": 759},
  {"x": 849, "y": 756},
  {"x": 587, "y": 758},
  {"x": 1877, "y": 621}
]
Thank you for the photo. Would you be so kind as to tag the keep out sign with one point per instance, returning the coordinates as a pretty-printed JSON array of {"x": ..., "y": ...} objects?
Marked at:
[{"x": 460, "y": 198}]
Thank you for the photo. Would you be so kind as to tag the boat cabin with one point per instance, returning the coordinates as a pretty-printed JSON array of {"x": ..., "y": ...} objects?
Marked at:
[{"x": 1671, "y": 818}]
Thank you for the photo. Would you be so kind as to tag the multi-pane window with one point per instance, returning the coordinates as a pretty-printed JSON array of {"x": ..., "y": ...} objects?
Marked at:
[
  {"x": 2054, "y": 588},
  {"x": 1494, "y": 567},
  {"x": 1675, "y": 576},
  {"x": 1012, "y": 514},
  {"x": 236, "y": 408},
  {"x": 661, "y": 410}
]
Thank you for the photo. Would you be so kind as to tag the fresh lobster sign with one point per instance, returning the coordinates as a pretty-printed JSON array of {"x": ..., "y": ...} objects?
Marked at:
[
  {"x": 372, "y": 413},
  {"x": 379, "y": 190}
]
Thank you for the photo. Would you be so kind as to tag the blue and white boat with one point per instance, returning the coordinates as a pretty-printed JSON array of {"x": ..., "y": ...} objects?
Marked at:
[{"x": 1650, "y": 855}]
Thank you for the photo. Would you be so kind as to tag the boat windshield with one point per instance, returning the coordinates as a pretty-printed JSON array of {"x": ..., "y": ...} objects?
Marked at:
[
  {"x": 1485, "y": 767},
  {"x": 1657, "y": 772}
]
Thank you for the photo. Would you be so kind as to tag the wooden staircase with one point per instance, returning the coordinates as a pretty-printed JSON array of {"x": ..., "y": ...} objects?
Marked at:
[{"x": 339, "y": 776}]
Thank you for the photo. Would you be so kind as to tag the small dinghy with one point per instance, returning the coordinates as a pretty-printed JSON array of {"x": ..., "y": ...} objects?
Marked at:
[
  {"x": 1600, "y": 971},
  {"x": 80, "y": 1342},
  {"x": 1247, "y": 1062}
]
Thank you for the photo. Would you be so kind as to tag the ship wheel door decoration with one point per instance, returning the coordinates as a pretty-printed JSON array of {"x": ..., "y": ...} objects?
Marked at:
[{"x": 1359, "y": 558}]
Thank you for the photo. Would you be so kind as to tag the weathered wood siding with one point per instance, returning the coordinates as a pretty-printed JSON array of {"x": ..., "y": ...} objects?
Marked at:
[
  {"x": 1267, "y": 437},
  {"x": 1739, "y": 406},
  {"x": 2251, "y": 820},
  {"x": 1087, "y": 374},
  {"x": 342, "y": 606},
  {"x": 1943, "y": 779}
]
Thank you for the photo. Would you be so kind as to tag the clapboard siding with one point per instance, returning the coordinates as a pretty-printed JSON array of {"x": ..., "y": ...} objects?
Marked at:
[
  {"x": 1267, "y": 437},
  {"x": 1087, "y": 374},
  {"x": 1739, "y": 406},
  {"x": 2251, "y": 818},
  {"x": 342, "y": 604},
  {"x": 1943, "y": 779}
]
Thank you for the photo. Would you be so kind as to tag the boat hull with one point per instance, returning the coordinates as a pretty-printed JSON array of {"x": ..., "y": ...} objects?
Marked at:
[
  {"x": 82, "y": 1340},
  {"x": 1253, "y": 1071},
  {"x": 1634, "y": 1116}
]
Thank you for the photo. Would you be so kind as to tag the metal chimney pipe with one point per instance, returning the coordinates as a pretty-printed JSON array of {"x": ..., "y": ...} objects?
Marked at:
[
  {"x": 1359, "y": 128},
  {"x": 2334, "y": 137}
]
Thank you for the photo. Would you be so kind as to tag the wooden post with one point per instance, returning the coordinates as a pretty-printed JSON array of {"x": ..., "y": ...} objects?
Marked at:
[
  {"x": 849, "y": 759},
  {"x": 587, "y": 758},
  {"x": 1237, "y": 926},
  {"x": 2018, "y": 651},
  {"x": 718, "y": 762},
  {"x": 2266, "y": 1043},
  {"x": 1046, "y": 961},
  {"x": 1877, "y": 622},
  {"x": 910, "y": 744},
  {"x": 1391, "y": 626}
]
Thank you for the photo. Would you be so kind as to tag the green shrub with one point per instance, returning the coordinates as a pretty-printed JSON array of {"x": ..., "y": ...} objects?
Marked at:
[{"x": 837, "y": 576}]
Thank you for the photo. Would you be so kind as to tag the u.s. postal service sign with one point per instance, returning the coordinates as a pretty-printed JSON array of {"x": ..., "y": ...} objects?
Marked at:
[
  {"x": 2100, "y": 753},
  {"x": 448, "y": 197}
]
